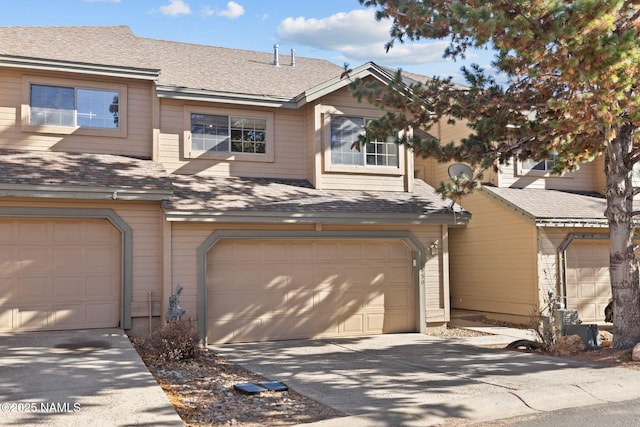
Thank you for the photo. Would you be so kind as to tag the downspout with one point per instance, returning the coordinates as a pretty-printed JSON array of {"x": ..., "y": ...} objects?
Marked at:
[{"x": 562, "y": 257}]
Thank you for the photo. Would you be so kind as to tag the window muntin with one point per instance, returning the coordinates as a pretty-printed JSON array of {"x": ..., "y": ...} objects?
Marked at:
[
  {"x": 74, "y": 107},
  {"x": 223, "y": 134},
  {"x": 344, "y": 133}
]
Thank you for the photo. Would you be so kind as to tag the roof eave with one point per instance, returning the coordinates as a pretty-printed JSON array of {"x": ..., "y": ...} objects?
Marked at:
[
  {"x": 78, "y": 67},
  {"x": 336, "y": 83},
  {"x": 189, "y": 94},
  {"x": 87, "y": 193},
  {"x": 316, "y": 217},
  {"x": 572, "y": 222}
]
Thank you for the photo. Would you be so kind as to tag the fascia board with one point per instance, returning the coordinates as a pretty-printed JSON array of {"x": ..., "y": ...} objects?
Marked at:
[
  {"x": 89, "y": 193},
  {"x": 79, "y": 67},
  {"x": 303, "y": 217},
  {"x": 368, "y": 69},
  {"x": 188, "y": 94}
]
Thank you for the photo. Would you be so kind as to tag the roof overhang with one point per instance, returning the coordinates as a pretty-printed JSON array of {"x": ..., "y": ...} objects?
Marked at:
[
  {"x": 78, "y": 67},
  {"x": 572, "y": 222},
  {"x": 453, "y": 219},
  {"x": 86, "y": 193},
  {"x": 368, "y": 69},
  {"x": 188, "y": 94}
]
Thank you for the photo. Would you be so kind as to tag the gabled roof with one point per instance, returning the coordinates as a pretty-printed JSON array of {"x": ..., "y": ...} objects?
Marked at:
[
  {"x": 181, "y": 65},
  {"x": 74, "y": 175},
  {"x": 181, "y": 70},
  {"x": 231, "y": 199},
  {"x": 553, "y": 207}
]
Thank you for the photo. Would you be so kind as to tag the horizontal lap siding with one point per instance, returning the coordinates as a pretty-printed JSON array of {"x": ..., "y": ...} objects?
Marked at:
[
  {"x": 494, "y": 262},
  {"x": 341, "y": 102},
  {"x": 290, "y": 146},
  {"x": 138, "y": 142},
  {"x": 581, "y": 180}
]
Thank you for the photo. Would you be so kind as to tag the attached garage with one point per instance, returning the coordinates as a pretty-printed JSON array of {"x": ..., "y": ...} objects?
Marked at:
[
  {"x": 588, "y": 286},
  {"x": 59, "y": 274},
  {"x": 274, "y": 289}
]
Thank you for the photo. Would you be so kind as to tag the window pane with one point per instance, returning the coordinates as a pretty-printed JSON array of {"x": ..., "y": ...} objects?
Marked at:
[
  {"x": 344, "y": 132},
  {"x": 97, "y": 108},
  {"x": 248, "y": 135},
  {"x": 209, "y": 133},
  {"x": 52, "y": 105}
]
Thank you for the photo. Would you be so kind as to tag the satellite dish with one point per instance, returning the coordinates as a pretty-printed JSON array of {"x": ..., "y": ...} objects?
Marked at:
[{"x": 457, "y": 170}]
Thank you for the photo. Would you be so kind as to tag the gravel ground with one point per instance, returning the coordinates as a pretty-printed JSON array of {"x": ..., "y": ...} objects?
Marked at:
[{"x": 202, "y": 390}]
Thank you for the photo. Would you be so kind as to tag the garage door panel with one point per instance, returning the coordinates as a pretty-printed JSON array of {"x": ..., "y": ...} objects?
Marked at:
[
  {"x": 32, "y": 317},
  {"x": 56, "y": 278},
  {"x": 97, "y": 287},
  {"x": 33, "y": 232},
  {"x": 34, "y": 288},
  {"x": 101, "y": 260},
  {"x": 34, "y": 259},
  {"x": 67, "y": 287},
  {"x": 310, "y": 289}
]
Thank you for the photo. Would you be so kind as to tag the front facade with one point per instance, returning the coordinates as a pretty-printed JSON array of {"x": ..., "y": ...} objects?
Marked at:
[{"x": 134, "y": 166}]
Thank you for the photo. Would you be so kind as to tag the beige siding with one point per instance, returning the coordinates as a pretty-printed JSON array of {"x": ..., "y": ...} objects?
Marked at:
[
  {"x": 146, "y": 221},
  {"x": 341, "y": 102},
  {"x": 138, "y": 141},
  {"x": 493, "y": 266},
  {"x": 290, "y": 157},
  {"x": 580, "y": 180}
]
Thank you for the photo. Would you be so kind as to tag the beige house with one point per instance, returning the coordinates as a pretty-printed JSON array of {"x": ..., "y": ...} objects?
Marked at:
[
  {"x": 531, "y": 233},
  {"x": 130, "y": 165}
]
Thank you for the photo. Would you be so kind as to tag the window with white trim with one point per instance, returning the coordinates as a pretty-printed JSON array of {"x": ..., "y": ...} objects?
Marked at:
[
  {"x": 228, "y": 134},
  {"x": 74, "y": 107},
  {"x": 344, "y": 133},
  {"x": 545, "y": 165}
]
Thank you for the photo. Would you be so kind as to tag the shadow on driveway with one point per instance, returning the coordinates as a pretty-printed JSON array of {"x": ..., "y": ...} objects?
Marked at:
[{"x": 414, "y": 379}]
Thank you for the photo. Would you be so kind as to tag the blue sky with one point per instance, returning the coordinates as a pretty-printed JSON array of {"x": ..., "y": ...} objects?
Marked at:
[{"x": 340, "y": 31}]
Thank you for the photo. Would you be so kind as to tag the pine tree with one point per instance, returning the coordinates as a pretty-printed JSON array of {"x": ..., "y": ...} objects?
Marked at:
[{"x": 572, "y": 73}]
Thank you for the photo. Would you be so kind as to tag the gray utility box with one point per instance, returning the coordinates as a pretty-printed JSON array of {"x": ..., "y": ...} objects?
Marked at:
[{"x": 589, "y": 334}]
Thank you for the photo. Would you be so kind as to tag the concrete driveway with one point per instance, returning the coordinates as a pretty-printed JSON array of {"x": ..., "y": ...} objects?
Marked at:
[
  {"x": 419, "y": 380},
  {"x": 78, "y": 378}
]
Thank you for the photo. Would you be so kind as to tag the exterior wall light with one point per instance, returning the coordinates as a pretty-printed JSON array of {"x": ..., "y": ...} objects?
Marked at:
[{"x": 433, "y": 248}]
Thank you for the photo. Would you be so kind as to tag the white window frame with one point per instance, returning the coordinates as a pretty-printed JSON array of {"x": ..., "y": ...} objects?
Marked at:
[
  {"x": 329, "y": 166},
  {"x": 25, "y": 114},
  {"x": 525, "y": 168},
  {"x": 190, "y": 153}
]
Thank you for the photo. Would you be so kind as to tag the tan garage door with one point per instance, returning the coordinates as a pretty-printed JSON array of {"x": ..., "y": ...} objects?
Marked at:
[
  {"x": 588, "y": 282},
  {"x": 272, "y": 289},
  {"x": 59, "y": 274}
]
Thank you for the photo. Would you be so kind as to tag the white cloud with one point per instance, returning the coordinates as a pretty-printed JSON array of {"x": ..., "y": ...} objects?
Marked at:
[
  {"x": 175, "y": 8},
  {"x": 233, "y": 11},
  {"x": 358, "y": 36}
]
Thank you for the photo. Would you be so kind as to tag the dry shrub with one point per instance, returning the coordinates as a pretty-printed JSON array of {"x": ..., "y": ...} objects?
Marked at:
[{"x": 175, "y": 341}]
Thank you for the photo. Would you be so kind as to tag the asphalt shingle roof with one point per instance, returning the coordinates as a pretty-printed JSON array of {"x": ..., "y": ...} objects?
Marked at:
[
  {"x": 182, "y": 64},
  {"x": 553, "y": 204},
  {"x": 37, "y": 168},
  {"x": 230, "y": 194}
]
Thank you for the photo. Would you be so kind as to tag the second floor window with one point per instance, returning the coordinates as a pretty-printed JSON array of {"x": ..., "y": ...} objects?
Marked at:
[
  {"x": 344, "y": 133},
  {"x": 544, "y": 165},
  {"x": 228, "y": 134},
  {"x": 74, "y": 107}
]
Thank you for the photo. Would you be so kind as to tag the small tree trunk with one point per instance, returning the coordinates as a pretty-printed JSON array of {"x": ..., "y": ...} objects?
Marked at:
[{"x": 623, "y": 265}]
